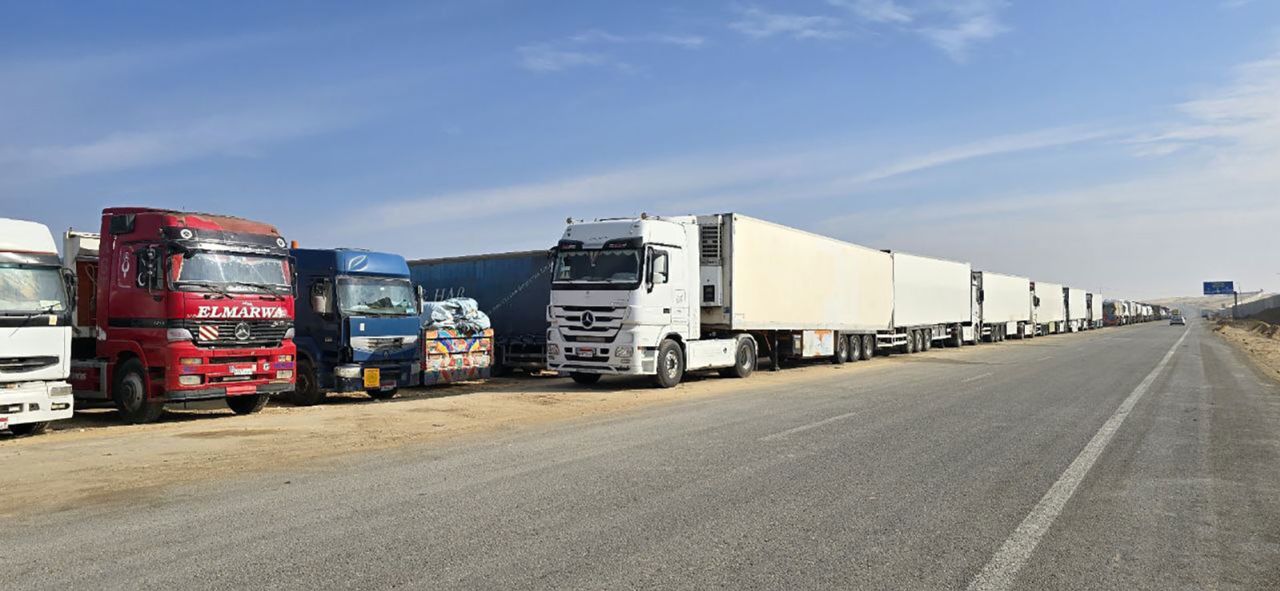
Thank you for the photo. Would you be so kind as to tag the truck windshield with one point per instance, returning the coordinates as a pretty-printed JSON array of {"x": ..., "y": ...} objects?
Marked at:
[
  {"x": 380, "y": 296},
  {"x": 234, "y": 272},
  {"x": 598, "y": 266},
  {"x": 27, "y": 290}
]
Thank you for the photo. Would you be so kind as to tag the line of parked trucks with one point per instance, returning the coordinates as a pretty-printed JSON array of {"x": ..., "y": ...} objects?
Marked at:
[{"x": 163, "y": 307}]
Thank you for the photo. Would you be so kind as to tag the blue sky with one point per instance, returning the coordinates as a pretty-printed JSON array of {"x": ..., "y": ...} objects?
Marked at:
[{"x": 1128, "y": 147}]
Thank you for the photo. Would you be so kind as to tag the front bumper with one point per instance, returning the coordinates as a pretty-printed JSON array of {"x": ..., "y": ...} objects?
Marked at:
[
  {"x": 601, "y": 358},
  {"x": 35, "y": 402},
  {"x": 206, "y": 373},
  {"x": 194, "y": 394},
  {"x": 356, "y": 377}
]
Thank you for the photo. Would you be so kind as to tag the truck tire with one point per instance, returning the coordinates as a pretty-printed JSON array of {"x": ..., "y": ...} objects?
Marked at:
[
  {"x": 957, "y": 336},
  {"x": 382, "y": 394},
  {"x": 907, "y": 347},
  {"x": 306, "y": 389},
  {"x": 744, "y": 361},
  {"x": 855, "y": 347},
  {"x": 670, "y": 364},
  {"x": 29, "y": 429},
  {"x": 586, "y": 379},
  {"x": 926, "y": 338},
  {"x": 917, "y": 341},
  {"x": 841, "y": 346},
  {"x": 868, "y": 346},
  {"x": 247, "y": 404},
  {"x": 129, "y": 392}
]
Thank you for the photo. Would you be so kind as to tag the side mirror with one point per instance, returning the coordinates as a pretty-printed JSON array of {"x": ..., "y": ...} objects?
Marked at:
[
  {"x": 659, "y": 268},
  {"x": 421, "y": 293},
  {"x": 150, "y": 276},
  {"x": 69, "y": 280},
  {"x": 320, "y": 301},
  {"x": 982, "y": 295}
]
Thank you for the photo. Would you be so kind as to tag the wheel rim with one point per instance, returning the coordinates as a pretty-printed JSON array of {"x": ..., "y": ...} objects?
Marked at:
[
  {"x": 304, "y": 382},
  {"x": 132, "y": 395},
  {"x": 671, "y": 364},
  {"x": 842, "y": 349},
  {"x": 744, "y": 357}
]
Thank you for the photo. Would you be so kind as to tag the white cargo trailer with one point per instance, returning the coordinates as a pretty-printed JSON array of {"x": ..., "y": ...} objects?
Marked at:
[
  {"x": 1051, "y": 312},
  {"x": 1095, "y": 309},
  {"x": 659, "y": 296},
  {"x": 933, "y": 300},
  {"x": 1004, "y": 306},
  {"x": 1077, "y": 309}
]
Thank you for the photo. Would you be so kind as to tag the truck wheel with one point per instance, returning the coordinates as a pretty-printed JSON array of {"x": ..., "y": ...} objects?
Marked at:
[
  {"x": 957, "y": 338},
  {"x": 744, "y": 361},
  {"x": 917, "y": 342},
  {"x": 868, "y": 346},
  {"x": 129, "y": 392},
  {"x": 247, "y": 404},
  {"x": 306, "y": 390},
  {"x": 586, "y": 379},
  {"x": 28, "y": 429},
  {"x": 855, "y": 347},
  {"x": 842, "y": 350},
  {"x": 382, "y": 394},
  {"x": 926, "y": 339},
  {"x": 670, "y": 364}
]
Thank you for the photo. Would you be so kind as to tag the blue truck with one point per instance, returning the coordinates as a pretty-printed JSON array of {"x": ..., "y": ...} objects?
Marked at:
[
  {"x": 357, "y": 324},
  {"x": 513, "y": 288}
]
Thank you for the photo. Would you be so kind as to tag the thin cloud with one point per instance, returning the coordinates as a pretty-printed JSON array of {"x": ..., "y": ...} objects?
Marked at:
[
  {"x": 953, "y": 27},
  {"x": 585, "y": 49},
  {"x": 760, "y": 24},
  {"x": 876, "y": 11},
  {"x": 545, "y": 58}
]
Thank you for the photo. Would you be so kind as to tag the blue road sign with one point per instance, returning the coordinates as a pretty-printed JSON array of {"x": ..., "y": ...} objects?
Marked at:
[{"x": 1219, "y": 287}]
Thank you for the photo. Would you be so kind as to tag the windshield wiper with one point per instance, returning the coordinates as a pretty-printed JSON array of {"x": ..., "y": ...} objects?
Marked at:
[
  {"x": 260, "y": 287},
  {"x": 29, "y": 316},
  {"x": 212, "y": 287}
]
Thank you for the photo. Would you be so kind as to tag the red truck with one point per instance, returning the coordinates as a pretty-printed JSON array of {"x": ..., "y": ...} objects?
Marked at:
[{"x": 179, "y": 307}]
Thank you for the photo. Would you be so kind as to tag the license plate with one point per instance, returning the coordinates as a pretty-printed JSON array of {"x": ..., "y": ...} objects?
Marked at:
[
  {"x": 241, "y": 371},
  {"x": 372, "y": 377},
  {"x": 235, "y": 390},
  {"x": 587, "y": 352}
]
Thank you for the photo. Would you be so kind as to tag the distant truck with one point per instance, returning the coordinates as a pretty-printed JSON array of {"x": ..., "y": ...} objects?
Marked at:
[
  {"x": 513, "y": 288},
  {"x": 1095, "y": 309},
  {"x": 358, "y": 324},
  {"x": 35, "y": 329},
  {"x": 1004, "y": 306},
  {"x": 1051, "y": 307},
  {"x": 179, "y": 307}
]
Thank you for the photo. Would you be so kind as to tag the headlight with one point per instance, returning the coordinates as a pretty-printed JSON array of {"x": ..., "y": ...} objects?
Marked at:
[
  {"x": 189, "y": 380},
  {"x": 189, "y": 361},
  {"x": 60, "y": 390},
  {"x": 347, "y": 371},
  {"x": 178, "y": 334},
  {"x": 288, "y": 334},
  {"x": 622, "y": 352},
  {"x": 553, "y": 350}
]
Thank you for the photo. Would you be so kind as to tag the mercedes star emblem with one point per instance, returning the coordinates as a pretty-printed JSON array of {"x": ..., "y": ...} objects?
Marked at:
[{"x": 242, "y": 332}]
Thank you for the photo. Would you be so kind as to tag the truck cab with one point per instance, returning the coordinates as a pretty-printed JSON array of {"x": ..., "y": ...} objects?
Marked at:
[
  {"x": 35, "y": 318},
  {"x": 620, "y": 288},
  {"x": 182, "y": 307},
  {"x": 358, "y": 324}
]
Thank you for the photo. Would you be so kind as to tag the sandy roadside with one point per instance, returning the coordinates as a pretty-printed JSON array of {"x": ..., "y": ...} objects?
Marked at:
[
  {"x": 93, "y": 459},
  {"x": 1257, "y": 340}
]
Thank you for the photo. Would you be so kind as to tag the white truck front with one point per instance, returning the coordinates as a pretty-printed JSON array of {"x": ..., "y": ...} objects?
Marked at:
[
  {"x": 35, "y": 330},
  {"x": 624, "y": 301}
]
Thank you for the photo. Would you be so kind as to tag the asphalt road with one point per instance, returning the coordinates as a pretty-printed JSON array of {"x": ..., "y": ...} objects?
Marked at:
[{"x": 1126, "y": 458}]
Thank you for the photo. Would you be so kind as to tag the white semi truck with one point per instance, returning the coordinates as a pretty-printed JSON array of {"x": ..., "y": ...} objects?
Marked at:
[
  {"x": 1051, "y": 308},
  {"x": 933, "y": 301},
  {"x": 35, "y": 319},
  {"x": 1095, "y": 309},
  {"x": 660, "y": 296},
  {"x": 1077, "y": 309},
  {"x": 1005, "y": 306}
]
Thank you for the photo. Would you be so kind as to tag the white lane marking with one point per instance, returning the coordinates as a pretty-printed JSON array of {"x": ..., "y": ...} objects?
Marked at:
[
  {"x": 793, "y": 430},
  {"x": 978, "y": 377},
  {"x": 1000, "y": 572}
]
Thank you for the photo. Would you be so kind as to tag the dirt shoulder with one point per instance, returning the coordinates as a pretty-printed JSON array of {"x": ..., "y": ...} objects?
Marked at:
[
  {"x": 1259, "y": 340},
  {"x": 94, "y": 459}
]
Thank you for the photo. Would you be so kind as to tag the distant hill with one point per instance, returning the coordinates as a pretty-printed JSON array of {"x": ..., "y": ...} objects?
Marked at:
[{"x": 1195, "y": 303}]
